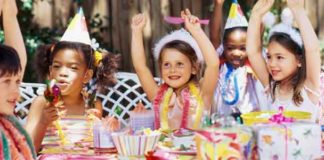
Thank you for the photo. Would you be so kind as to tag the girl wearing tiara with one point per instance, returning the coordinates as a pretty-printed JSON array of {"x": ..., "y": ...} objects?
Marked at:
[
  {"x": 238, "y": 90},
  {"x": 72, "y": 63},
  {"x": 181, "y": 100},
  {"x": 291, "y": 71}
]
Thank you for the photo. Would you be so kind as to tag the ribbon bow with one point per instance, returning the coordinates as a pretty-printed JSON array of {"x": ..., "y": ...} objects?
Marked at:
[{"x": 280, "y": 118}]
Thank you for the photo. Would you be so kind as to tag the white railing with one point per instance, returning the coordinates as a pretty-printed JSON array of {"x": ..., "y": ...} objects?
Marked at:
[{"x": 124, "y": 95}]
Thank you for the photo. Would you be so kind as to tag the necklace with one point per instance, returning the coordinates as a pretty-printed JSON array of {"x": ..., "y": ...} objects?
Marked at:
[
  {"x": 227, "y": 83},
  {"x": 163, "y": 99}
]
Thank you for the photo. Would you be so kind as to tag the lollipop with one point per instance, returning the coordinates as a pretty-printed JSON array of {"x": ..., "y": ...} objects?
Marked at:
[{"x": 53, "y": 95}]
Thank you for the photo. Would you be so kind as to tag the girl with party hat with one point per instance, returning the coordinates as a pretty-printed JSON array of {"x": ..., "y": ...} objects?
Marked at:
[
  {"x": 238, "y": 90},
  {"x": 291, "y": 70},
  {"x": 71, "y": 63},
  {"x": 15, "y": 143},
  {"x": 183, "y": 97}
]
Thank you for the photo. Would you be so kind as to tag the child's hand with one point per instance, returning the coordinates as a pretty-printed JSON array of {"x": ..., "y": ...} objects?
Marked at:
[
  {"x": 49, "y": 114},
  {"x": 138, "y": 22},
  {"x": 10, "y": 7},
  {"x": 262, "y": 7},
  {"x": 295, "y": 4},
  {"x": 191, "y": 22}
]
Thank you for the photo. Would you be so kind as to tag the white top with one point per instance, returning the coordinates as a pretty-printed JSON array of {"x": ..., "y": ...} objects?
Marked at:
[
  {"x": 251, "y": 95},
  {"x": 307, "y": 105}
]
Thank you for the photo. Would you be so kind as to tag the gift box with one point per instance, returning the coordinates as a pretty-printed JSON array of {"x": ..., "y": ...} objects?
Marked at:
[
  {"x": 135, "y": 145},
  {"x": 295, "y": 140},
  {"x": 102, "y": 130},
  {"x": 141, "y": 118},
  {"x": 225, "y": 143}
]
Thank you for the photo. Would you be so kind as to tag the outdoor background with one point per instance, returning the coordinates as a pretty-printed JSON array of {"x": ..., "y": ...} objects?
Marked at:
[{"x": 44, "y": 22}]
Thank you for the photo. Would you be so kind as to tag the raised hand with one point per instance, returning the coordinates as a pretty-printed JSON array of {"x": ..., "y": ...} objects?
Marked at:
[
  {"x": 191, "y": 22},
  {"x": 262, "y": 7},
  {"x": 138, "y": 22},
  {"x": 295, "y": 4}
]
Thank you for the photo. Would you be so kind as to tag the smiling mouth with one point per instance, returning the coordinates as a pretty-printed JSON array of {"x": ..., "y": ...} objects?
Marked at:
[
  {"x": 174, "y": 77},
  {"x": 274, "y": 72}
]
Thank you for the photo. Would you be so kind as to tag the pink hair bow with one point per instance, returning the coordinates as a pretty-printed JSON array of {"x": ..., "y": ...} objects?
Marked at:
[{"x": 178, "y": 20}]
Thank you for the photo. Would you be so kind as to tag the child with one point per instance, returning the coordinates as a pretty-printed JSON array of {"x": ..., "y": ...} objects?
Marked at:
[
  {"x": 72, "y": 63},
  {"x": 237, "y": 91},
  {"x": 181, "y": 99},
  {"x": 15, "y": 143},
  {"x": 292, "y": 68}
]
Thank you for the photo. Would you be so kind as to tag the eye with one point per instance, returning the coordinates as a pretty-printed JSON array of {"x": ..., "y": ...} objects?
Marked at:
[
  {"x": 18, "y": 81},
  {"x": 166, "y": 65},
  {"x": 180, "y": 65},
  {"x": 56, "y": 66},
  {"x": 74, "y": 67},
  {"x": 7, "y": 81},
  {"x": 268, "y": 57},
  {"x": 280, "y": 57},
  {"x": 243, "y": 48}
]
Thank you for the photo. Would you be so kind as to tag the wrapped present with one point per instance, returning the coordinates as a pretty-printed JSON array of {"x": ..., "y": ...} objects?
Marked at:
[
  {"x": 141, "y": 118},
  {"x": 135, "y": 144},
  {"x": 102, "y": 133},
  {"x": 282, "y": 138},
  {"x": 234, "y": 142},
  {"x": 298, "y": 140}
]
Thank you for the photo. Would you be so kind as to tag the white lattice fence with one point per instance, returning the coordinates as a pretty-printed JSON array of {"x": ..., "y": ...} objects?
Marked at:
[{"x": 123, "y": 97}]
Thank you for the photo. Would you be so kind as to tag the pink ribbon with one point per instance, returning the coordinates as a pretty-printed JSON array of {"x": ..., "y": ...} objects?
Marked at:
[
  {"x": 185, "y": 113},
  {"x": 178, "y": 20},
  {"x": 279, "y": 118}
]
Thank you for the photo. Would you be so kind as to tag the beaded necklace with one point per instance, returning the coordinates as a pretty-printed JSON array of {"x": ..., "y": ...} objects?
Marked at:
[
  {"x": 163, "y": 98},
  {"x": 224, "y": 88}
]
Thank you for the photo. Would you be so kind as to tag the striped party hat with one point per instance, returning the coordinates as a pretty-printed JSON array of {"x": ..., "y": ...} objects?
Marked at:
[
  {"x": 77, "y": 30},
  {"x": 236, "y": 17}
]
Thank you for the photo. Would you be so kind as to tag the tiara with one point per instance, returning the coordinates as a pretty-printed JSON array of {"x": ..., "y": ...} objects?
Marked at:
[{"x": 181, "y": 35}]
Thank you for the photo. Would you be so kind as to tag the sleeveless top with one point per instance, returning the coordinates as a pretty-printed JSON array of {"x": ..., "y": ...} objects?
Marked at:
[
  {"x": 15, "y": 142},
  {"x": 307, "y": 105},
  {"x": 77, "y": 131},
  {"x": 249, "y": 91}
]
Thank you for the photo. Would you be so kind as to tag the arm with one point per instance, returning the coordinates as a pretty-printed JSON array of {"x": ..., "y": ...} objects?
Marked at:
[
  {"x": 13, "y": 36},
  {"x": 210, "y": 79},
  {"x": 216, "y": 23},
  {"x": 40, "y": 116},
  {"x": 253, "y": 42},
  {"x": 139, "y": 60},
  {"x": 311, "y": 44}
]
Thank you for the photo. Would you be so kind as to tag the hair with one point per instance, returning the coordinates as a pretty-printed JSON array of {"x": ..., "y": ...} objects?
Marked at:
[
  {"x": 186, "y": 50},
  {"x": 9, "y": 61},
  {"x": 104, "y": 73},
  {"x": 228, "y": 31},
  {"x": 298, "y": 79}
]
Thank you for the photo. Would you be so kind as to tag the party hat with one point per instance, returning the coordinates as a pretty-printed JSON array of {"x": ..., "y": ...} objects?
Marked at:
[
  {"x": 235, "y": 17},
  {"x": 77, "y": 30}
]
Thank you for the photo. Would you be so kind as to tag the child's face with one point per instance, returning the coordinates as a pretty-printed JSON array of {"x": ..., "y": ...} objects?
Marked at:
[
  {"x": 281, "y": 63},
  {"x": 234, "y": 48},
  {"x": 70, "y": 70},
  {"x": 176, "y": 68},
  {"x": 9, "y": 84}
]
